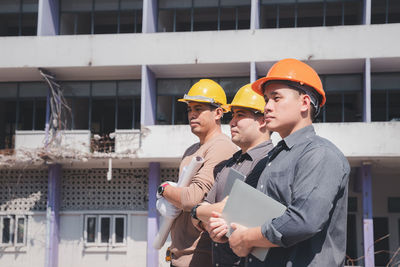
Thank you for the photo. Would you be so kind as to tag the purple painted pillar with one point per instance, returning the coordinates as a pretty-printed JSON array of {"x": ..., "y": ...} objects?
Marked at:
[
  {"x": 152, "y": 219},
  {"x": 52, "y": 216},
  {"x": 254, "y": 25},
  {"x": 48, "y": 18},
  {"x": 367, "y": 215}
]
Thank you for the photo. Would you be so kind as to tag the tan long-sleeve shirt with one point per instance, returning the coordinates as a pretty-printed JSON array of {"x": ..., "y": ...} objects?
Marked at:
[{"x": 189, "y": 246}]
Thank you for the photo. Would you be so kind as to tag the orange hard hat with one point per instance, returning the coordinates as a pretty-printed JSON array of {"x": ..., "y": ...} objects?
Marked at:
[{"x": 292, "y": 70}]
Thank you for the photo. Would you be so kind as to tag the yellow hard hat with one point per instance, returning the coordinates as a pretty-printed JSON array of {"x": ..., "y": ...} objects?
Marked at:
[
  {"x": 246, "y": 97},
  {"x": 205, "y": 91}
]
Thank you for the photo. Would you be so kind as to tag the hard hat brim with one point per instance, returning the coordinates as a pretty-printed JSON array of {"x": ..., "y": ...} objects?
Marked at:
[
  {"x": 257, "y": 86},
  {"x": 187, "y": 100}
]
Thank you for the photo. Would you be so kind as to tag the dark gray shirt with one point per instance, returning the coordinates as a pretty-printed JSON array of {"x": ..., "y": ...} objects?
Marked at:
[
  {"x": 244, "y": 163},
  {"x": 310, "y": 177}
]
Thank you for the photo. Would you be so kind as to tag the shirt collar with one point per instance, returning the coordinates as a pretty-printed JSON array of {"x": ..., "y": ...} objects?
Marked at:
[
  {"x": 253, "y": 152},
  {"x": 299, "y": 136}
]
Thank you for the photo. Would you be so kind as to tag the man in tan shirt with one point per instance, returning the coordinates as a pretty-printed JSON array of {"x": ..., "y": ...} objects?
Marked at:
[{"x": 205, "y": 100}]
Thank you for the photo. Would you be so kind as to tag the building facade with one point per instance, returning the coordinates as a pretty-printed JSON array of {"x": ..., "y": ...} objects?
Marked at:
[{"x": 90, "y": 123}]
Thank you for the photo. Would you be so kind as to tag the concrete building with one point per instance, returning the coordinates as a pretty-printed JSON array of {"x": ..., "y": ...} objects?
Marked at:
[{"x": 77, "y": 187}]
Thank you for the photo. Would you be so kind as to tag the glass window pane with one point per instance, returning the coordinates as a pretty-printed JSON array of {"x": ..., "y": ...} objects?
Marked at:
[
  {"x": 181, "y": 113},
  {"x": 164, "y": 109},
  {"x": 334, "y": 15},
  {"x": 235, "y": 3},
  {"x": 286, "y": 16},
  {"x": 351, "y": 245},
  {"x": 33, "y": 89},
  {"x": 130, "y": 21},
  {"x": 228, "y": 18},
  {"x": 6, "y": 237},
  {"x": 333, "y": 108},
  {"x": 104, "y": 89},
  {"x": 394, "y": 11},
  {"x": 103, "y": 5},
  {"x": 8, "y": 90},
  {"x": 205, "y": 3},
  {"x": 29, "y": 24},
  {"x": 205, "y": 19},
  {"x": 25, "y": 120},
  {"x": 9, "y": 6},
  {"x": 183, "y": 20},
  {"x": 76, "y": 88},
  {"x": 385, "y": 81},
  {"x": 30, "y": 6},
  {"x": 125, "y": 112},
  {"x": 166, "y": 20},
  {"x": 10, "y": 24},
  {"x": 80, "y": 113},
  {"x": 105, "y": 22},
  {"x": 20, "y": 230},
  {"x": 394, "y": 105},
  {"x": 91, "y": 229},
  {"x": 103, "y": 116},
  {"x": 378, "y": 11},
  {"x": 40, "y": 114},
  {"x": 338, "y": 83},
  {"x": 76, "y": 5},
  {"x": 177, "y": 87},
  {"x": 7, "y": 123},
  {"x": 232, "y": 85},
  {"x": 105, "y": 230},
  {"x": 352, "y": 107},
  {"x": 379, "y": 106},
  {"x": 381, "y": 229},
  {"x": 129, "y": 88},
  {"x": 174, "y": 4},
  {"x": 131, "y": 4},
  {"x": 244, "y": 17},
  {"x": 268, "y": 16},
  {"x": 119, "y": 230},
  {"x": 310, "y": 14},
  {"x": 353, "y": 12}
]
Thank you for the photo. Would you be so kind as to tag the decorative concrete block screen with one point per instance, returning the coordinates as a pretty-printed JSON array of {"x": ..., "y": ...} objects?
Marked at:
[
  {"x": 169, "y": 174},
  {"x": 23, "y": 190}
]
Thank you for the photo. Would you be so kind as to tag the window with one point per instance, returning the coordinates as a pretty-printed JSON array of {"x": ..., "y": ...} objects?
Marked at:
[
  {"x": 200, "y": 15},
  {"x": 381, "y": 247},
  {"x": 100, "y": 16},
  {"x": 13, "y": 230},
  {"x": 343, "y": 98},
  {"x": 385, "y": 96},
  {"x": 18, "y": 17},
  {"x": 394, "y": 204},
  {"x": 351, "y": 244},
  {"x": 170, "y": 111},
  {"x": 103, "y": 230},
  {"x": 385, "y": 11},
  {"x": 309, "y": 13}
]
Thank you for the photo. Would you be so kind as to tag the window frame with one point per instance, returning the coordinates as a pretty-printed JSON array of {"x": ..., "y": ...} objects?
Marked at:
[
  {"x": 112, "y": 231},
  {"x": 13, "y": 230}
]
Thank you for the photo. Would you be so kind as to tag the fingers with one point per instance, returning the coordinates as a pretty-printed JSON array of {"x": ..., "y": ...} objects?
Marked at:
[{"x": 215, "y": 214}]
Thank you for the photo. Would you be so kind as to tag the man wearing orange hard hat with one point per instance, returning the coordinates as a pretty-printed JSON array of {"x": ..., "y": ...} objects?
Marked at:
[{"x": 305, "y": 172}]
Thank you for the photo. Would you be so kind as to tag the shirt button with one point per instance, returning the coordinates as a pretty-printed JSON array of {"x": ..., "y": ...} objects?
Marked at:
[
  {"x": 250, "y": 259},
  {"x": 217, "y": 264},
  {"x": 216, "y": 244},
  {"x": 269, "y": 164},
  {"x": 262, "y": 186}
]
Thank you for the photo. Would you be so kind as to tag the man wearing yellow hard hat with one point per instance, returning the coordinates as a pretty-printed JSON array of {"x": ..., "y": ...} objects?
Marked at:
[
  {"x": 249, "y": 132},
  {"x": 305, "y": 172},
  {"x": 206, "y": 102}
]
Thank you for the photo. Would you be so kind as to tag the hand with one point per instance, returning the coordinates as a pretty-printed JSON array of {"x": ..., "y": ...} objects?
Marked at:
[
  {"x": 217, "y": 228},
  {"x": 238, "y": 242},
  {"x": 169, "y": 183},
  {"x": 166, "y": 209}
]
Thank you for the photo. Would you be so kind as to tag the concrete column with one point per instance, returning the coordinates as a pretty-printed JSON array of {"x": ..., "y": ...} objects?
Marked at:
[
  {"x": 52, "y": 216},
  {"x": 368, "y": 224},
  {"x": 48, "y": 18},
  {"x": 367, "y": 91},
  {"x": 367, "y": 12},
  {"x": 254, "y": 25},
  {"x": 152, "y": 219},
  {"x": 150, "y": 11},
  {"x": 148, "y": 98}
]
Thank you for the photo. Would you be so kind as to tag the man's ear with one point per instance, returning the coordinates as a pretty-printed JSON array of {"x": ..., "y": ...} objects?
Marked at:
[
  {"x": 305, "y": 102},
  {"x": 219, "y": 113}
]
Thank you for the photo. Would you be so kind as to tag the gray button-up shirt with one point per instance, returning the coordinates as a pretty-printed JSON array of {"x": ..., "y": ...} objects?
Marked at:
[
  {"x": 309, "y": 176},
  {"x": 244, "y": 163}
]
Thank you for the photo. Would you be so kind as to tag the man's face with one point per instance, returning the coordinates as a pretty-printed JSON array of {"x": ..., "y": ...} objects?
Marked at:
[
  {"x": 201, "y": 117},
  {"x": 284, "y": 108},
  {"x": 245, "y": 126}
]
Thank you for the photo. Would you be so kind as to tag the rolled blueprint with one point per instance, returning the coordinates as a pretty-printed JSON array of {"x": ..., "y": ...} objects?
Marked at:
[{"x": 184, "y": 180}]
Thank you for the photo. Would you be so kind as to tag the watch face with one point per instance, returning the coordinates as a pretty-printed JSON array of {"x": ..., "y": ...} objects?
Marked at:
[{"x": 160, "y": 190}]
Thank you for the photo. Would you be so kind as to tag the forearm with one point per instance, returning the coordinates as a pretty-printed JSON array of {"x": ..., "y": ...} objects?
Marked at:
[
  {"x": 204, "y": 211},
  {"x": 173, "y": 195},
  {"x": 255, "y": 238}
]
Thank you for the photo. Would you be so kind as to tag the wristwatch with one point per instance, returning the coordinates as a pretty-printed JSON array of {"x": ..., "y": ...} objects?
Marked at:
[
  {"x": 193, "y": 212},
  {"x": 161, "y": 188}
]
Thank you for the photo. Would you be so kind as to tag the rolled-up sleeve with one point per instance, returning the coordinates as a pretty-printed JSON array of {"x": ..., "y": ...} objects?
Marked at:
[
  {"x": 202, "y": 182},
  {"x": 318, "y": 178}
]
